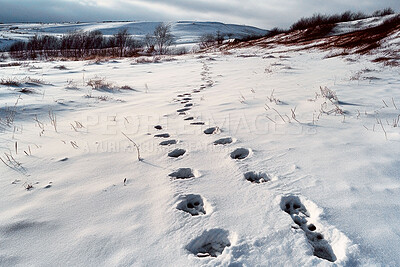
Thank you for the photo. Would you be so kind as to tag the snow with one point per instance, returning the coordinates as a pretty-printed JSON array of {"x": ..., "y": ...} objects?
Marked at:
[
  {"x": 93, "y": 203},
  {"x": 361, "y": 24}
]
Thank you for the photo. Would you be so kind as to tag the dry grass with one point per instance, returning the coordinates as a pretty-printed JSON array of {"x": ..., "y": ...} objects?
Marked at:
[
  {"x": 359, "y": 41},
  {"x": 12, "y": 64},
  {"x": 101, "y": 84},
  {"x": 15, "y": 82},
  {"x": 10, "y": 82}
]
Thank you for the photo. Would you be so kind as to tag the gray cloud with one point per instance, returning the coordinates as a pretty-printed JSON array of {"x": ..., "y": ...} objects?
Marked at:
[{"x": 264, "y": 14}]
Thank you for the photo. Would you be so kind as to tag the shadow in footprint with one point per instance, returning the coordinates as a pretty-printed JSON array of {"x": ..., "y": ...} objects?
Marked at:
[
  {"x": 211, "y": 130},
  {"x": 164, "y": 135},
  {"x": 168, "y": 142},
  {"x": 182, "y": 173},
  {"x": 158, "y": 127},
  {"x": 256, "y": 177},
  {"x": 210, "y": 244},
  {"x": 197, "y": 123},
  {"x": 240, "y": 153},
  {"x": 223, "y": 141},
  {"x": 183, "y": 110},
  {"x": 188, "y": 118},
  {"x": 176, "y": 153},
  {"x": 299, "y": 214},
  {"x": 192, "y": 204}
]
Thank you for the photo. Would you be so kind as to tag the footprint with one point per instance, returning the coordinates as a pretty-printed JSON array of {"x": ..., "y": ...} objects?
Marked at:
[
  {"x": 176, "y": 153},
  {"x": 197, "y": 123},
  {"x": 299, "y": 214},
  {"x": 192, "y": 204},
  {"x": 187, "y": 98},
  {"x": 223, "y": 141},
  {"x": 189, "y": 105},
  {"x": 210, "y": 244},
  {"x": 164, "y": 135},
  {"x": 256, "y": 177},
  {"x": 182, "y": 173},
  {"x": 158, "y": 127},
  {"x": 211, "y": 130},
  {"x": 240, "y": 153},
  {"x": 168, "y": 142},
  {"x": 188, "y": 118},
  {"x": 187, "y": 94},
  {"x": 183, "y": 109},
  {"x": 196, "y": 91}
]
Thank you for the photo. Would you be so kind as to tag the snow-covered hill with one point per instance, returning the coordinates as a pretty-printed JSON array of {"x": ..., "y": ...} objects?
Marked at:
[{"x": 185, "y": 32}]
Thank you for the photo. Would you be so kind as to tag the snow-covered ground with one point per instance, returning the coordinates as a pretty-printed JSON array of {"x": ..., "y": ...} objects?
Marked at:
[
  {"x": 185, "y": 32},
  {"x": 301, "y": 158}
]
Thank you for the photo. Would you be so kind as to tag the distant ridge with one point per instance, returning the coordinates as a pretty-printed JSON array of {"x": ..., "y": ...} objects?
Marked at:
[{"x": 185, "y": 32}]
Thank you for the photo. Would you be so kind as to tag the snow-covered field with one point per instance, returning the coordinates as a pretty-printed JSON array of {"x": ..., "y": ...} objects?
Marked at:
[
  {"x": 298, "y": 156},
  {"x": 186, "y": 33}
]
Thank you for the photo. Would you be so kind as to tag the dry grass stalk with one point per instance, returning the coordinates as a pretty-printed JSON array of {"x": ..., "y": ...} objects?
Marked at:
[{"x": 136, "y": 146}]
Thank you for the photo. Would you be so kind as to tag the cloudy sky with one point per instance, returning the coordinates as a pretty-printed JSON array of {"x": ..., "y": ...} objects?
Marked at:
[{"x": 261, "y": 13}]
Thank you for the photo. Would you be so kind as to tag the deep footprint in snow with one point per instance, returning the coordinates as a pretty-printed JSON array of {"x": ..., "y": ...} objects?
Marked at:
[
  {"x": 176, "y": 153},
  {"x": 293, "y": 206},
  {"x": 197, "y": 123},
  {"x": 211, "y": 130},
  {"x": 164, "y": 135},
  {"x": 168, "y": 142},
  {"x": 256, "y": 177},
  {"x": 192, "y": 204},
  {"x": 182, "y": 173},
  {"x": 223, "y": 141},
  {"x": 188, "y": 105},
  {"x": 158, "y": 127},
  {"x": 188, "y": 118},
  {"x": 183, "y": 110},
  {"x": 210, "y": 244},
  {"x": 240, "y": 153}
]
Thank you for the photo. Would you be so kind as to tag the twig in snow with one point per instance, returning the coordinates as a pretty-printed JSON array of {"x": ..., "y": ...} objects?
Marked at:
[
  {"x": 53, "y": 119},
  {"x": 294, "y": 115},
  {"x": 279, "y": 114},
  {"x": 394, "y": 104},
  {"x": 385, "y": 103},
  {"x": 380, "y": 122},
  {"x": 137, "y": 147}
]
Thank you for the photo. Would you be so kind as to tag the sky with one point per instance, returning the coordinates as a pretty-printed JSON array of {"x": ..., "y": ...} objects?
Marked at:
[{"x": 264, "y": 14}]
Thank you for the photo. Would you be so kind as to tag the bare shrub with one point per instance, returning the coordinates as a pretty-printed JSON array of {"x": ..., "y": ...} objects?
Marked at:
[
  {"x": 98, "y": 83},
  {"x": 10, "y": 82},
  {"x": 328, "y": 93}
]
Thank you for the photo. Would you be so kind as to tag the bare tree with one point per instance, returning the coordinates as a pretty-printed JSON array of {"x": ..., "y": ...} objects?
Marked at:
[
  {"x": 121, "y": 39},
  {"x": 149, "y": 42},
  {"x": 207, "y": 40},
  {"x": 163, "y": 37},
  {"x": 219, "y": 37}
]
